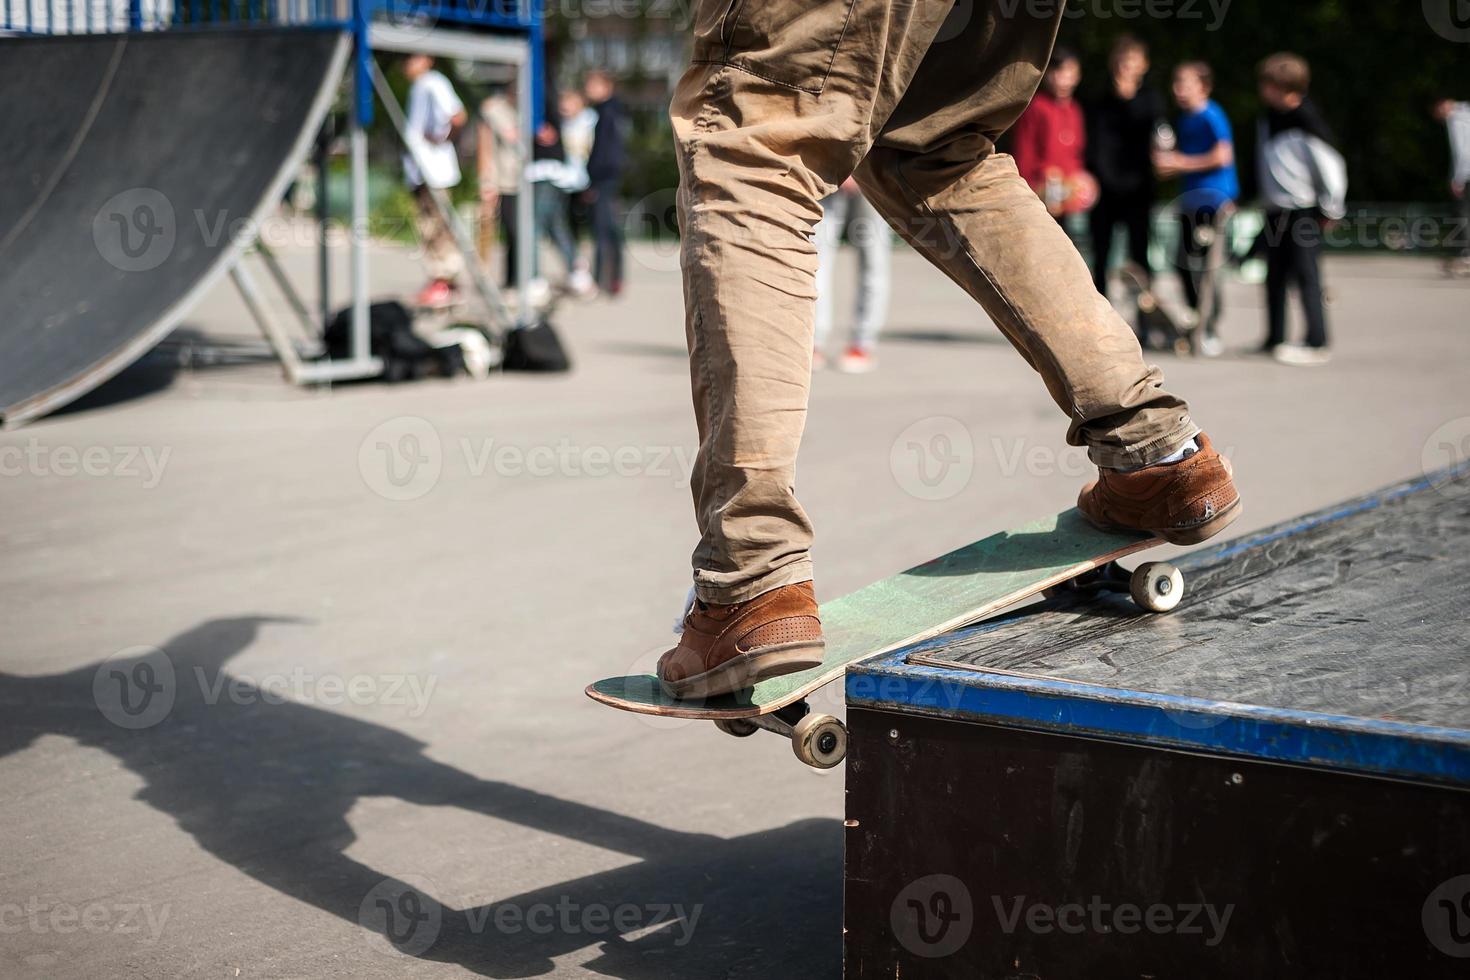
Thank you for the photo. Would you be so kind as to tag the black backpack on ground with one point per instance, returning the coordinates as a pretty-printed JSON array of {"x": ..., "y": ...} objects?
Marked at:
[
  {"x": 535, "y": 348},
  {"x": 405, "y": 355}
]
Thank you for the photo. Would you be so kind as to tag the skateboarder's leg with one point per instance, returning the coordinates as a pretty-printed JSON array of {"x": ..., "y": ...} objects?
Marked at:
[
  {"x": 936, "y": 176},
  {"x": 776, "y": 111},
  {"x": 780, "y": 104}
]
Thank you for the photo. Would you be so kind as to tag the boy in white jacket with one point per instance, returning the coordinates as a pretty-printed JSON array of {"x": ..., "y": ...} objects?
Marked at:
[
  {"x": 1456, "y": 118},
  {"x": 1303, "y": 180}
]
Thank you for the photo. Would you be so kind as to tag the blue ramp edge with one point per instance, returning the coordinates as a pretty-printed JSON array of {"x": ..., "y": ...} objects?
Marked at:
[{"x": 1362, "y": 745}]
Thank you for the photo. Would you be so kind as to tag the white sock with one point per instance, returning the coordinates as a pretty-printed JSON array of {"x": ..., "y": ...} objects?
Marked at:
[{"x": 1183, "y": 452}]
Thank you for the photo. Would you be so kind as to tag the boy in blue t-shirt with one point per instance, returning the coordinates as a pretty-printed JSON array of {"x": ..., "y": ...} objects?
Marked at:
[{"x": 1204, "y": 155}]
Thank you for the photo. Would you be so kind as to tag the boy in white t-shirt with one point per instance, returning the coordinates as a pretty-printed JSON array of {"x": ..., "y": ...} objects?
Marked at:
[
  {"x": 1456, "y": 117},
  {"x": 435, "y": 114}
]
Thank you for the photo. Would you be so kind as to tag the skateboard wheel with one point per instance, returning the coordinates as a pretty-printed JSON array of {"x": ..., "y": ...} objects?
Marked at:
[
  {"x": 1156, "y": 586},
  {"x": 820, "y": 741},
  {"x": 739, "y": 727}
]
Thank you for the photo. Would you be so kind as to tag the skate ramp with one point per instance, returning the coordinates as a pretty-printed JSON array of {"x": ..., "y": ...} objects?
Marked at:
[{"x": 133, "y": 170}]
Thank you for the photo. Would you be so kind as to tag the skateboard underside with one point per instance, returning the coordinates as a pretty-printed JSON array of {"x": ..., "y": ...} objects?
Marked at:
[{"x": 964, "y": 586}]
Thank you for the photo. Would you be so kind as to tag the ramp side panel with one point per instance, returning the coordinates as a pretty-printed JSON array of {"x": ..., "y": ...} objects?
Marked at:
[{"x": 174, "y": 155}]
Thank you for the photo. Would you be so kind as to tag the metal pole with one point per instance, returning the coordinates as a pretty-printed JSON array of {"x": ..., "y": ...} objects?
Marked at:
[
  {"x": 323, "y": 219},
  {"x": 288, "y": 291},
  {"x": 526, "y": 240},
  {"x": 361, "y": 116},
  {"x": 274, "y": 335}
]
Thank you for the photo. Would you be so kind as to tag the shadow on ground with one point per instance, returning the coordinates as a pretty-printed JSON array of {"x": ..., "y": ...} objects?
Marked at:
[
  {"x": 267, "y": 788},
  {"x": 938, "y": 335},
  {"x": 185, "y": 349}
]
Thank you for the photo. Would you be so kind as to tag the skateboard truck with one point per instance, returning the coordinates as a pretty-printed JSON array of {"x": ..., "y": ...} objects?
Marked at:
[
  {"x": 819, "y": 740},
  {"x": 1156, "y": 586}
]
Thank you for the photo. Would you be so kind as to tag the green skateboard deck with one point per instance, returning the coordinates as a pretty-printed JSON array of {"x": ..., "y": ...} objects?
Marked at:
[{"x": 959, "y": 588}]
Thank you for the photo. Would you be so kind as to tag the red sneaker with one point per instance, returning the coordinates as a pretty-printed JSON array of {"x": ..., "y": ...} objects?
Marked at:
[
  {"x": 436, "y": 293},
  {"x": 856, "y": 360}
]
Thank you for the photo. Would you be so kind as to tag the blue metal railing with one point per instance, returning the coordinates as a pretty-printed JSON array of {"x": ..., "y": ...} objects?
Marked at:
[
  {"x": 123, "y": 16},
  {"x": 42, "y": 17}
]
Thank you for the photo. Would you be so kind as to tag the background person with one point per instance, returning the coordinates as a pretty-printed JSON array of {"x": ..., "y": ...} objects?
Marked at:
[
  {"x": 1050, "y": 139},
  {"x": 501, "y": 160},
  {"x": 1205, "y": 157},
  {"x": 435, "y": 113},
  {"x": 605, "y": 165},
  {"x": 1303, "y": 180},
  {"x": 1456, "y": 117},
  {"x": 578, "y": 127},
  {"x": 550, "y": 176},
  {"x": 1120, "y": 136},
  {"x": 846, "y": 210}
]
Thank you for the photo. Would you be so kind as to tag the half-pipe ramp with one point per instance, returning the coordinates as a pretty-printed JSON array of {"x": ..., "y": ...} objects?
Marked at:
[{"x": 133, "y": 169}]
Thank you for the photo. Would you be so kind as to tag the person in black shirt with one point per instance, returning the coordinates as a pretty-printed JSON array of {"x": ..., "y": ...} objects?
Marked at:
[
  {"x": 605, "y": 168},
  {"x": 1121, "y": 128}
]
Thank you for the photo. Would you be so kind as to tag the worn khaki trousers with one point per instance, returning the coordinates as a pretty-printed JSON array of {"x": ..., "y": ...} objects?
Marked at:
[{"x": 784, "y": 100}]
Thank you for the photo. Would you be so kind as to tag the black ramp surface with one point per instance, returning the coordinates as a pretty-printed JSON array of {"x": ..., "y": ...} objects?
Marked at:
[
  {"x": 132, "y": 171},
  {"x": 1359, "y": 610}
]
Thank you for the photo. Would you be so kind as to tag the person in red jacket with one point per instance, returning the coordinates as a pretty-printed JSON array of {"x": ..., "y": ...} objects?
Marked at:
[{"x": 1049, "y": 140}]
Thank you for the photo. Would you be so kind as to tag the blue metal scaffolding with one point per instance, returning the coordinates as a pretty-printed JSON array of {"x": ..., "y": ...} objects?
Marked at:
[{"x": 503, "y": 31}]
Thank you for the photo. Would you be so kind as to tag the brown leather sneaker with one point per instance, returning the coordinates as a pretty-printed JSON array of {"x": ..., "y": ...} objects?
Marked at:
[
  {"x": 729, "y": 648},
  {"x": 1183, "y": 503}
]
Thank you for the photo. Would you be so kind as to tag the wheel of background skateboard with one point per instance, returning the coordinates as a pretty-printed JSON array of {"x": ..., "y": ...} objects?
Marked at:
[
  {"x": 1156, "y": 586},
  {"x": 819, "y": 740},
  {"x": 739, "y": 727}
]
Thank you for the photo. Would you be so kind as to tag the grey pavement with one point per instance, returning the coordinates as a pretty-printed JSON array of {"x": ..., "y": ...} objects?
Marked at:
[{"x": 379, "y": 606}]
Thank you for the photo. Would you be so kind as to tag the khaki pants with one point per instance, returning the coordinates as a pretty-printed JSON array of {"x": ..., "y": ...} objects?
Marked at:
[
  {"x": 441, "y": 255},
  {"x": 784, "y": 100}
]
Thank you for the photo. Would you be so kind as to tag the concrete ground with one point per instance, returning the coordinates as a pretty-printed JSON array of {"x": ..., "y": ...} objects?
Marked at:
[{"x": 379, "y": 606}]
